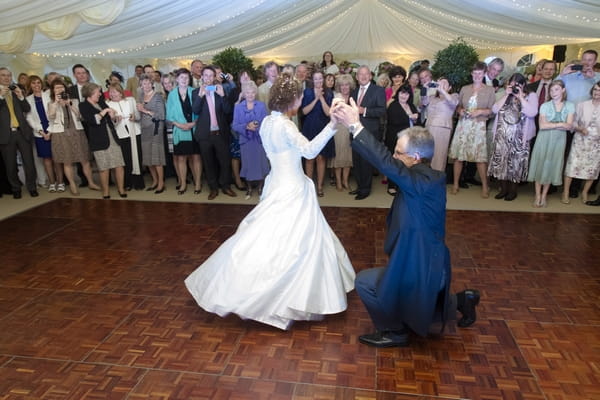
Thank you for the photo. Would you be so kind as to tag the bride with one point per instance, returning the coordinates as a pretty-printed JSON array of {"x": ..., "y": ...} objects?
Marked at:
[{"x": 284, "y": 263}]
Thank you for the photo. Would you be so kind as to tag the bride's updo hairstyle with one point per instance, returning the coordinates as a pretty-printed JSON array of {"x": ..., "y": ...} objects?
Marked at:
[{"x": 284, "y": 93}]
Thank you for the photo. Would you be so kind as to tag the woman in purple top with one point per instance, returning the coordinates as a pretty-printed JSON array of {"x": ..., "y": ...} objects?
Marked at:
[{"x": 247, "y": 117}]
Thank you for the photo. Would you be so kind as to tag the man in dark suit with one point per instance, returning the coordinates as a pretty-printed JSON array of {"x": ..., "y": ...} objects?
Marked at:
[
  {"x": 15, "y": 134},
  {"x": 412, "y": 291},
  {"x": 212, "y": 132},
  {"x": 370, "y": 99}
]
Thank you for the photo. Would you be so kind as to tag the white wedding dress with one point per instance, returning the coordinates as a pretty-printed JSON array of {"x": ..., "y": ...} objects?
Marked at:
[{"x": 284, "y": 263}]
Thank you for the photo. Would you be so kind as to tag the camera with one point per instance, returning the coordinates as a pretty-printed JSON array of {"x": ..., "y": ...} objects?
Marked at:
[
  {"x": 224, "y": 76},
  {"x": 432, "y": 84},
  {"x": 515, "y": 89},
  {"x": 12, "y": 86},
  {"x": 210, "y": 88},
  {"x": 64, "y": 95},
  {"x": 577, "y": 68}
]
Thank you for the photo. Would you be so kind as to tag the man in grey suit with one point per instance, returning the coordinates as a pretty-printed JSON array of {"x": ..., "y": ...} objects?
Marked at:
[
  {"x": 15, "y": 134},
  {"x": 370, "y": 100}
]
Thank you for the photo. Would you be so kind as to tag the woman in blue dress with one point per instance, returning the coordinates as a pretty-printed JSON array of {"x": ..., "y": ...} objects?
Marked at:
[
  {"x": 315, "y": 108},
  {"x": 547, "y": 159}
]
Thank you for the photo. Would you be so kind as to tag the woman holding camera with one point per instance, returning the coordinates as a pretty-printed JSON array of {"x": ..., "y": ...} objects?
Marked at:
[
  {"x": 514, "y": 127},
  {"x": 439, "y": 121},
  {"x": 151, "y": 106},
  {"x": 104, "y": 141},
  {"x": 69, "y": 143}
]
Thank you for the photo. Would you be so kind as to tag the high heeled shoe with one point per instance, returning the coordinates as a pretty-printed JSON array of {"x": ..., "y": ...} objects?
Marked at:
[
  {"x": 151, "y": 188},
  {"x": 180, "y": 192},
  {"x": 122, "y": 195},
  {"x": 159, "y": 191}
]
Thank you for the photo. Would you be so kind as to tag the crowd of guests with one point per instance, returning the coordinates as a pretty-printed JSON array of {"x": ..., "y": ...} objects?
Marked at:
[{"x": 203, "y": 125}]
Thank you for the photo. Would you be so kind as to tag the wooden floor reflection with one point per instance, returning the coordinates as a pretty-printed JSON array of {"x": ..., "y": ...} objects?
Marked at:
[{"x": 93, "y": 306}]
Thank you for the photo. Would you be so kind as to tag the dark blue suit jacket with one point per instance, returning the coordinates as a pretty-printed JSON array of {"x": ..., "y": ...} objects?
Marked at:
[
  {"x": 374, "y": 101},
  {"x": 415, "y": 285}
]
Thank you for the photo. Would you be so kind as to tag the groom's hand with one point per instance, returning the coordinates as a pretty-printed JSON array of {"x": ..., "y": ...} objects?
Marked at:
[{"x": 346, "y": 114}]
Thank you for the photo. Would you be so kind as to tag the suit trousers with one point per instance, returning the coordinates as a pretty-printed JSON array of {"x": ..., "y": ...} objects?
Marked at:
[
  {"x": 217, "y": 161},
  {"x": 363, "y": 170},
  {"x": 9, "y": 153},
  {"x": 366, "y": 287}
]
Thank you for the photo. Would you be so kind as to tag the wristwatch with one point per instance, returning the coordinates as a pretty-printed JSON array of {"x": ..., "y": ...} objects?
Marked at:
[{"x": 352, "y": 128}]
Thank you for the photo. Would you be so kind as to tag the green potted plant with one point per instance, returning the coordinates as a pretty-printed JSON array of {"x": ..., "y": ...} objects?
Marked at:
[
  {"x": 455, "y": 63},
  {"x": 233, "y": 60}
]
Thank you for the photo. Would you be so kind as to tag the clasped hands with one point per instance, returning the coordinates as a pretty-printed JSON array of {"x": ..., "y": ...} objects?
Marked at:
[{"x": 345, "y": 114}]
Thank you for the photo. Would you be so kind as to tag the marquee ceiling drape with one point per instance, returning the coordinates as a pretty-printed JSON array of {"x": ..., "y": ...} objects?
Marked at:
[{"x": 287, "y": 30}]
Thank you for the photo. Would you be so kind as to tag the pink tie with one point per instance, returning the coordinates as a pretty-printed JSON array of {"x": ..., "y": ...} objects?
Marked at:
[
  {"x": 214, "y": 124},
  {"x": 361, "y": 95}
]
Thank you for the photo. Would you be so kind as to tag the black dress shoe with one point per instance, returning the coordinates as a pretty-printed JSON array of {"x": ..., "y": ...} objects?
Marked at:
[
  {"x": 17, "y": 195},
  {"x": 500, "y": 195},
  {"x": 385, "y": 339},
  {"x": 34, "y": 193},
  {"x": 353, "y": 192},
  {"x": 510, "y": 197},
  {"x": 361, "y": 196},
  {"x": 593, "y": 202},
  {"x": 467, "y": 301}
]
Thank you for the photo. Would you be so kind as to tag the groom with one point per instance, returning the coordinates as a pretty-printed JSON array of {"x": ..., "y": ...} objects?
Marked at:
[{"x": 412, "y": 291}]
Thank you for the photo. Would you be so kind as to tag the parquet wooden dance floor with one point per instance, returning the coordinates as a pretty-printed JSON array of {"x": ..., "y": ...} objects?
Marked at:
[{"x": 93, "y": 306}]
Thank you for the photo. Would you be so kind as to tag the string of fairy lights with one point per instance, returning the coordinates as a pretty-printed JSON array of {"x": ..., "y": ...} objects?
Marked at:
[
  {"x": 166, "y": 41},
  {"x": 441, "y": 31},
  {"x": 496, "y": 30},
  {"x": 273, "y": 33}
]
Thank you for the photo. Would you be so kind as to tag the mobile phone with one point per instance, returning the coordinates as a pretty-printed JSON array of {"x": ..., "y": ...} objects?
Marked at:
[
  {"x": 578, "y": 67},
  {"x": 210, "y": 88}
]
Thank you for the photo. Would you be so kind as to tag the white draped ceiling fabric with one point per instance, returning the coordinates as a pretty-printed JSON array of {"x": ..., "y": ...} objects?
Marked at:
[{"x": 122, "y": 33}]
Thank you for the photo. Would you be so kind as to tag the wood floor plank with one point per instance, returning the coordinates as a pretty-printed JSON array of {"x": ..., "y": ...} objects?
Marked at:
[{"x": 93, "y": 305}]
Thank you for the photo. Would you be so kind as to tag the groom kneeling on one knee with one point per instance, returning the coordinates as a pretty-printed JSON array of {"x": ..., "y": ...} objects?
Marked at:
[{"x": 412, "y": 291}]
